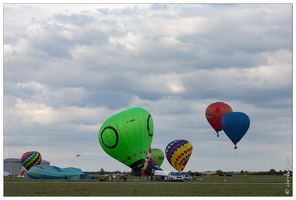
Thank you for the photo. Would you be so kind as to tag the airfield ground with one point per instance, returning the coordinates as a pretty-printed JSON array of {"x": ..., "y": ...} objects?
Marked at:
[{"x": 238, "y": 185}]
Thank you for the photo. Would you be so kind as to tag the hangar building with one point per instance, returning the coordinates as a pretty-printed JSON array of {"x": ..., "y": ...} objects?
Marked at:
[{"x": 14, "y": 165}]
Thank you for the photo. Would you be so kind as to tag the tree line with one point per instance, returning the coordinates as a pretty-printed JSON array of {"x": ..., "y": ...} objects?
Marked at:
[
  {"x": 218, "y": 172},
  {"x": 245, "y": 172}
]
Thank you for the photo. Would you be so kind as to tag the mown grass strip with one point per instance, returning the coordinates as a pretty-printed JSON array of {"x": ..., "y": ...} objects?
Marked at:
[{"x": 209, "y": 186}]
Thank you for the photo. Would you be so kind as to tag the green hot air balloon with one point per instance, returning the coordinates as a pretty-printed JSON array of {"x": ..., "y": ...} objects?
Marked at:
[
  {"x": 158, "y": 156},
  {"x": 127, "y": 136}
]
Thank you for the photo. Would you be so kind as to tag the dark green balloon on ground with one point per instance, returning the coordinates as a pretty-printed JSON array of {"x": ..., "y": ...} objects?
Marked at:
[
  {"x": 158, "y": 156},
  {"x": 127, "y": 136}
]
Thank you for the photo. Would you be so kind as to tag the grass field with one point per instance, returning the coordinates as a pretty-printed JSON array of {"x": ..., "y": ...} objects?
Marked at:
[{"x": 238, "y": 185}]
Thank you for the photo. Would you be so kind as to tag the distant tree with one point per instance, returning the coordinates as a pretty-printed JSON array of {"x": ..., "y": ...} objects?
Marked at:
[
  {"x": 102, "y": 172},
  {"x": 281, "y": 172},
  {"x": 219, "y": 172},
  {"x": 272, "y": 172}
]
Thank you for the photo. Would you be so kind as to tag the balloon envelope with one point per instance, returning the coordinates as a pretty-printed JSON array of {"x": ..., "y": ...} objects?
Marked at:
[
  {"x": 152, "y": 165},
  {"x": 178, "y": 153},
  {"x": 158, "y": 156},
  {"x": 147, "y": 171},
  {"x": 54, "y": 172},
  {"x": 235, "y": 125},
  {"x": 6, "y": 173},
  {"x": 214, "y": 113},
  {"x": 147, "y": 160},
  {"x": 127, "y": 136},
  {"x": 30, "y": 159},
  {"x": 148, "y": 166}
]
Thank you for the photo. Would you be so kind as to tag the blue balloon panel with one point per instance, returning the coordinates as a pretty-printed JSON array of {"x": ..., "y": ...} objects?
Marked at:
[{"x": 235, "y": 125}]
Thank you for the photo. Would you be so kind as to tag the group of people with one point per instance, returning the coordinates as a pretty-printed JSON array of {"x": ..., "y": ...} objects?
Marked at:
[{"x": 121, "y": 176}]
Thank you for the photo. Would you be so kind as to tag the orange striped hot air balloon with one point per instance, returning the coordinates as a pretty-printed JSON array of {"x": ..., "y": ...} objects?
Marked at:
[{"x": 214, "y": 113}]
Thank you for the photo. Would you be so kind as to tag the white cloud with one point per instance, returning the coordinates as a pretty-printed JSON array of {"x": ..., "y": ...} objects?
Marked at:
[
  {"x": 69, "y": 67},
  {"x": 29, "y": 113}
]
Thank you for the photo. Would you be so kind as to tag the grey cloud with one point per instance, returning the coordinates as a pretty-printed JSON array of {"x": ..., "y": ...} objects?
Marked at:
[
  {"x": 75, "y": 19},
  {"x": 68, "y": 71}
]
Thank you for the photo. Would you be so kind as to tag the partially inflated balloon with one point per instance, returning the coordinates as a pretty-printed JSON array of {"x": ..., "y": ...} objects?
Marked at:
[
  {"x": 30, "y": 159},
  {"x": 178, "y": 153},
  {"x": 214, "y": 113},
  {"x": 149, "y": 165},
  {"x": 158, "y": 156},
  {"x": 127, "y": 136},
  {"x": 148, "y": 156},
  {"x": 235, "y": 125}
]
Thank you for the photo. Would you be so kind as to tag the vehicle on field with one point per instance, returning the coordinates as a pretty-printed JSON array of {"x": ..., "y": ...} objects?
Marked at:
[
  {"x": 123, "y": 177},
  {"x": 196, "y": 175},
  {"x": 160, "y": 175},
  {"x": 187, "y": 177},
  {"x": 175, "y": 176}
]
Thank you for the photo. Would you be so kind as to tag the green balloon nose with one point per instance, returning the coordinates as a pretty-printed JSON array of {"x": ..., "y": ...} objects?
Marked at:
[{"x": 127, "y": 135}]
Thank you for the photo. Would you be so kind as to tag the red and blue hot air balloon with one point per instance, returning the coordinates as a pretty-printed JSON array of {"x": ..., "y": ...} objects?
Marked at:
[
  {"x": 214, "y": 113},
  {"x": 235, "y": 125}
]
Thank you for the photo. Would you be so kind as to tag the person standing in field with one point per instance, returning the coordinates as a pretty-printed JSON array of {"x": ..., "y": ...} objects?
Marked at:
[{"x": 152, "y": 174}]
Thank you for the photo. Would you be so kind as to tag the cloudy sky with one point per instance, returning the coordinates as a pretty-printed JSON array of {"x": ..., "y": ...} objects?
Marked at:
[{"x": 69, "y": 67}]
